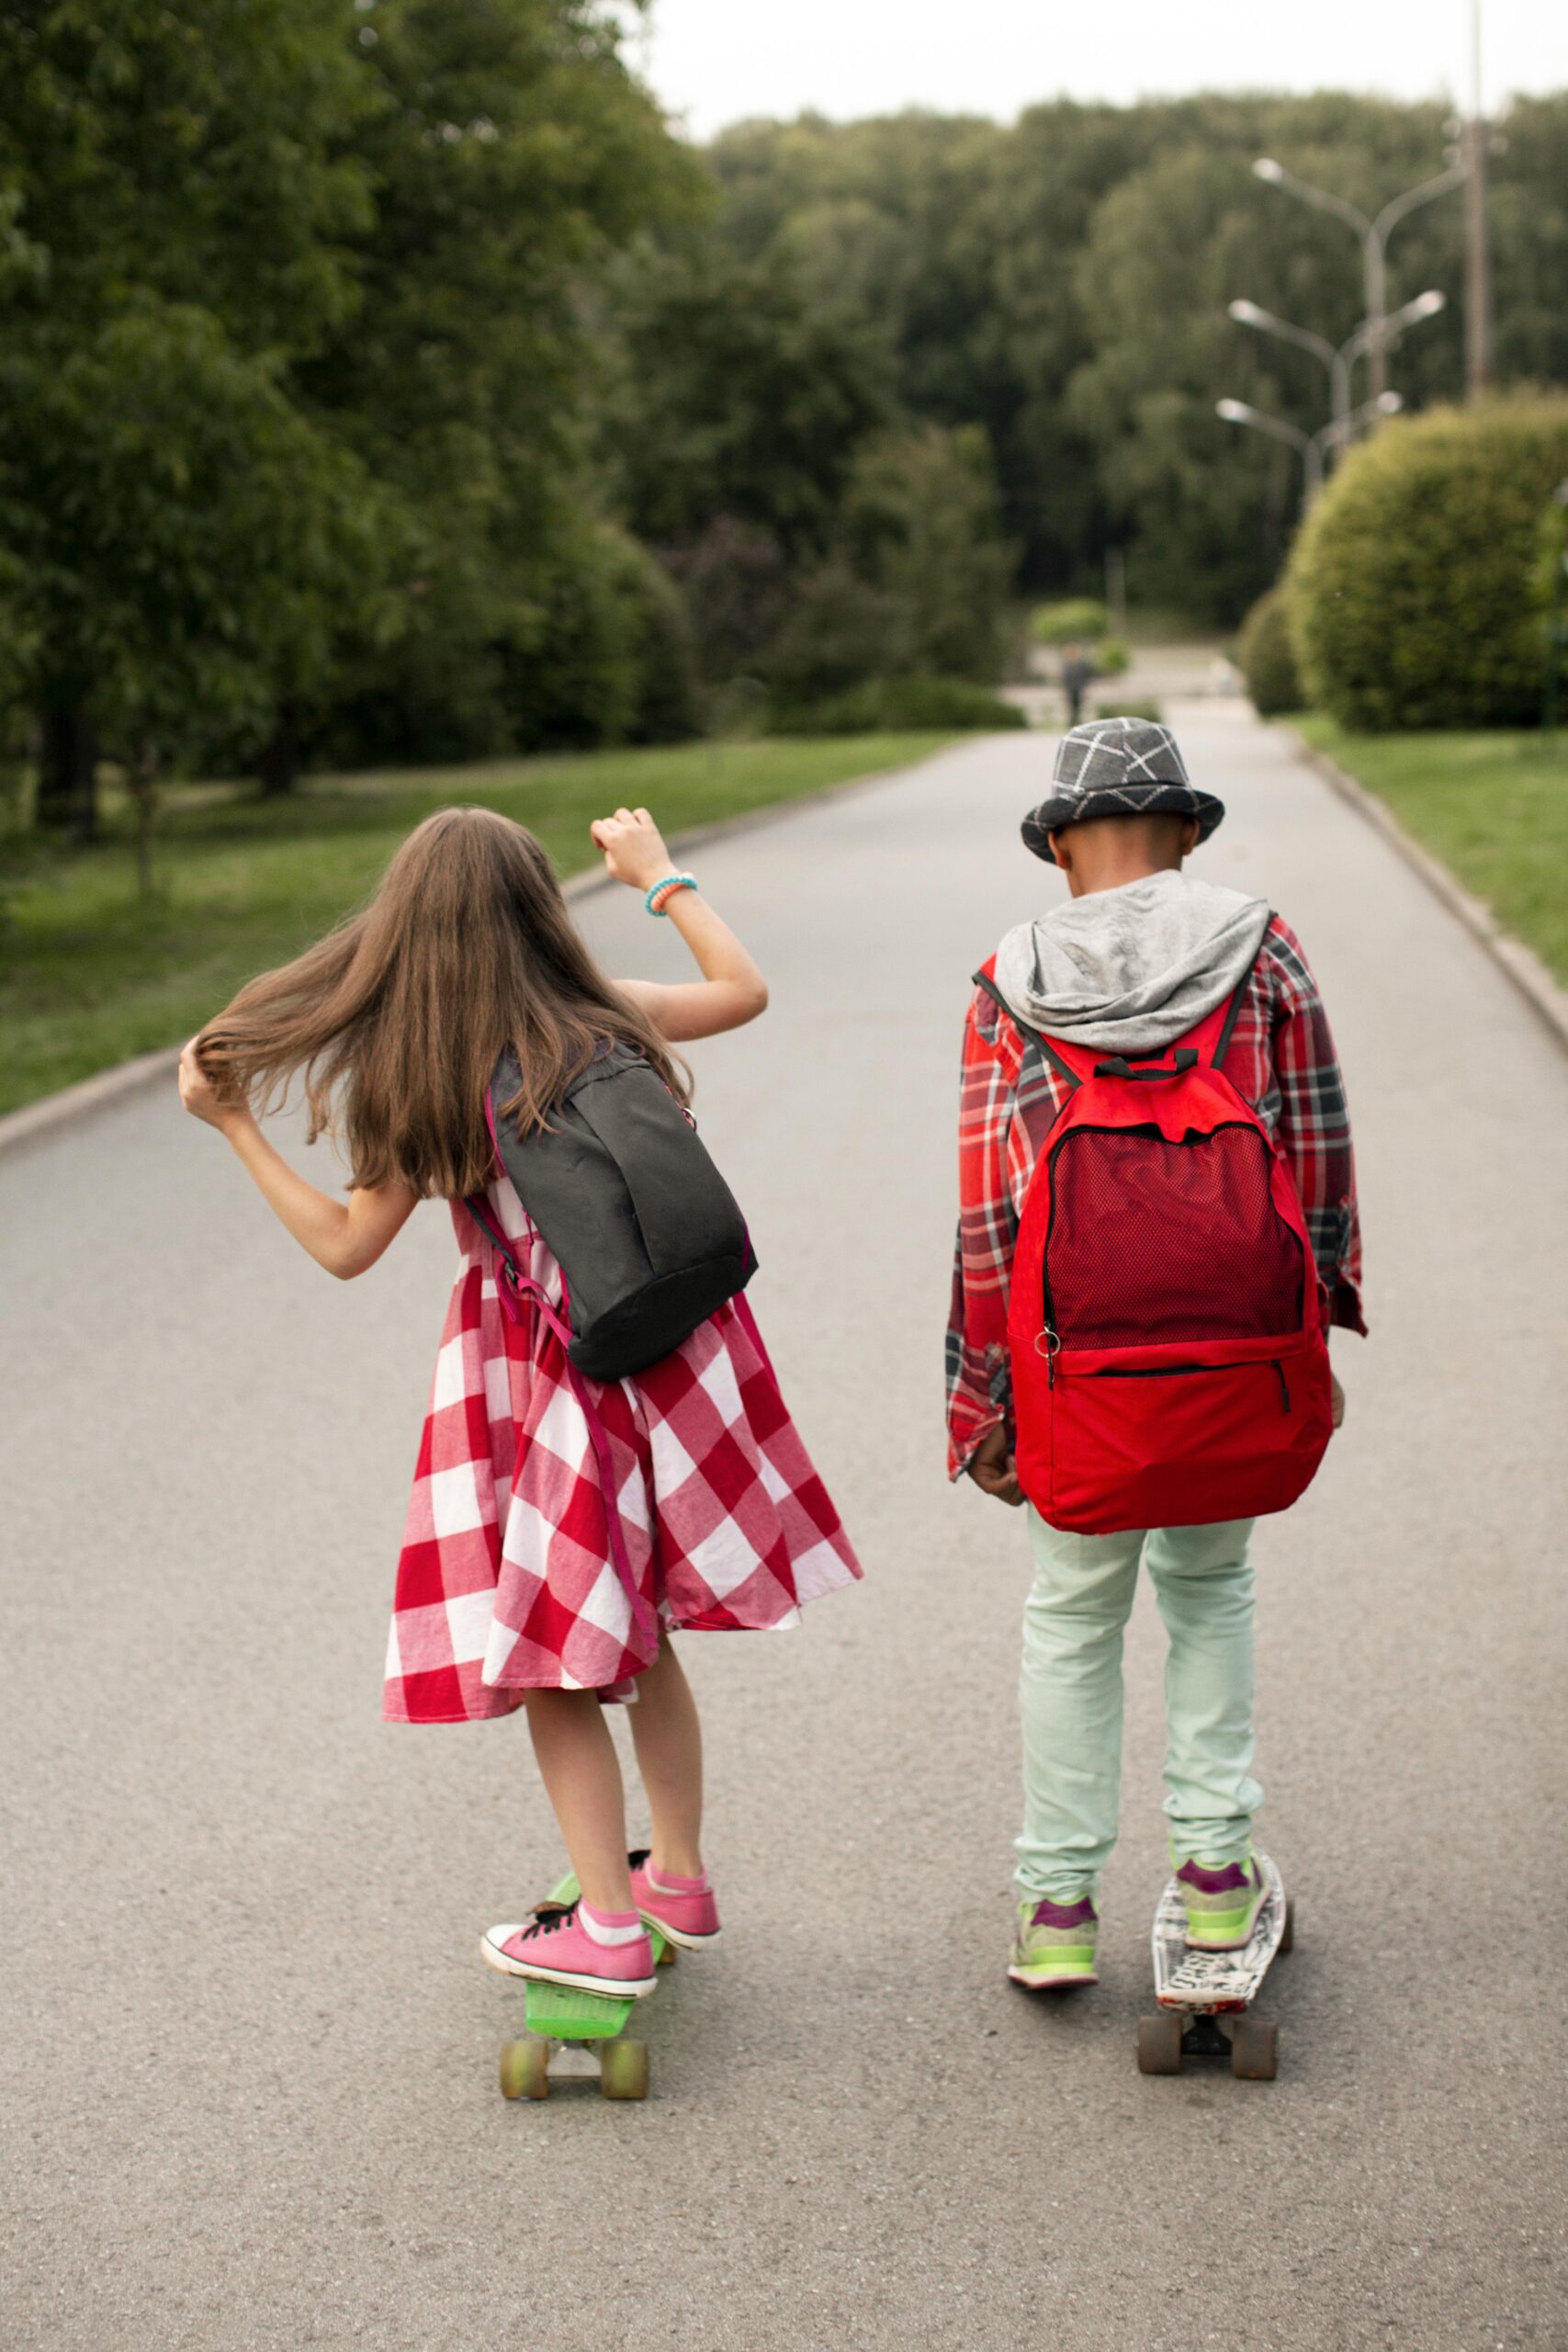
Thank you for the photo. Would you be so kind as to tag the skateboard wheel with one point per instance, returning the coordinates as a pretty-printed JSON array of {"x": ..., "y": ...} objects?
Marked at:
[
  {"x": 1288, "y": 1932},
  {"x": 669, "y": 1956},
  {"x": 623, "y": 2070},
  {"x": 1255, "y": 2048},
  {"x": 525, "y": 2070},
  {"x": 1159, "y": 2044}
]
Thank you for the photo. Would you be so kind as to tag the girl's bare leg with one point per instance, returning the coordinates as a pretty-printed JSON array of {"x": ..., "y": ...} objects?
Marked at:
[
  {"x": 581, "y": 1774},
  {"x": 668, "y": 1738}
]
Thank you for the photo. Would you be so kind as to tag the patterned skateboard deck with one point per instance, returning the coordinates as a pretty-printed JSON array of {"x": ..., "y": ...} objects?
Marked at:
[{"x": 1216, "y": 1984}]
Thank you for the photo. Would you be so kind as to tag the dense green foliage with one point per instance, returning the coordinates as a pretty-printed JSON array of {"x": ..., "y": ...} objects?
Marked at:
[
  {"x": 1063, "y": 282},
  {"x": 1266, "y": 656},
  {"x": 298, "y": 381},
  {"x": 382, "y": 379},
  {"x": 1413, "y": 588},
  {"x": 1493, "y": 807}
]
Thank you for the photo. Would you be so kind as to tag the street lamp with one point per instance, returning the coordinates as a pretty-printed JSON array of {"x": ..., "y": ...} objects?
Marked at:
[
  {"x": 1339, "y": 362},
  {"x": 1373, "y": 235},
  {"x": 1310, "y": 447},
  {"x": 1252, "y": 314},
  {"x": 1279, "y": 428}
]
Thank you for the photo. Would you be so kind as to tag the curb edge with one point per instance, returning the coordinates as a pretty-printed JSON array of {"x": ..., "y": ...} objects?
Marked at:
[
  {"x": 1519, "y": 963},
  {"x": 34, "y": 1120}
]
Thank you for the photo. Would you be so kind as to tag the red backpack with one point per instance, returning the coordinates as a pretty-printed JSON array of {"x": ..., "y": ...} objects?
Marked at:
[{"x": 1165, "y": 1320}]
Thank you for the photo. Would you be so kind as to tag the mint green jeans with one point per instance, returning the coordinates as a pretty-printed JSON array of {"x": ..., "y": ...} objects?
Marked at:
[{"x": 1070, "y": 1697}]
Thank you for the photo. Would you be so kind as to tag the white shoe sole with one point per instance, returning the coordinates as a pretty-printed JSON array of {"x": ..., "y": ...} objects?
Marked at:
[
  {"x": 613, "y": 1988},
  {"x": 681, "y": 1936}
]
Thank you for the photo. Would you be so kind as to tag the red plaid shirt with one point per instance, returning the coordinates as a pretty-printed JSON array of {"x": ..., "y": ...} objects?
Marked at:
[{"x": 1280, "y": 1058}]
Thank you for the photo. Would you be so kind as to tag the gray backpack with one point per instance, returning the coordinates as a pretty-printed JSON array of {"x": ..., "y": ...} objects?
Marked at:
[{"x": 647, "y": 1232}]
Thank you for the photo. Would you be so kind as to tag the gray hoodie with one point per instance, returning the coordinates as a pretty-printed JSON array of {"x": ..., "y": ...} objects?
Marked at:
[{"x": 1131, "y": 968}]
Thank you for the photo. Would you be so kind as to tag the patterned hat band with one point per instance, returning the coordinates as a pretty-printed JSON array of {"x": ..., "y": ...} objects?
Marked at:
[{"x": 1118, "y": 767}]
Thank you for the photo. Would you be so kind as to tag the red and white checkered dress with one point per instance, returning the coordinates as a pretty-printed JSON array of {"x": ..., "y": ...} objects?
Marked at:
[{"x": 509, "y": 1578}]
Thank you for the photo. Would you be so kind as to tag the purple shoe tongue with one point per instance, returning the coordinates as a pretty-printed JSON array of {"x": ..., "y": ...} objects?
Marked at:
[
  {"x": 1062, "y": 1914},
  {"x": 1207, "y": 1881}
]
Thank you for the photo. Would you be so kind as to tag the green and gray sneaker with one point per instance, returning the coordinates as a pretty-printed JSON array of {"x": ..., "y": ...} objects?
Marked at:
[
  {"x": 1223, "y": 1902},
  {"x": 1055, "y": 1945}
]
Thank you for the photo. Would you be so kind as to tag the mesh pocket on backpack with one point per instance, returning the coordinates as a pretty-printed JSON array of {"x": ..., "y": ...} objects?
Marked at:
[{"x": 1152, "y": 1242}]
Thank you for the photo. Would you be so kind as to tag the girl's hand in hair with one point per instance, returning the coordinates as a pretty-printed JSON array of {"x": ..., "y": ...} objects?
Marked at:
[
  {"x": 633, "y": 847},
  {"x": 202, "y": 1098}
]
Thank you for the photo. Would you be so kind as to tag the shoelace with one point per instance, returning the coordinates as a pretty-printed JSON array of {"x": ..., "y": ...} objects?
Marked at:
[{"x": 547, "y": 1917}]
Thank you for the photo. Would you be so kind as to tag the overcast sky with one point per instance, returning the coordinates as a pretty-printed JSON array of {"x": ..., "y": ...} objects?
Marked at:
[{"x": 715, "y": 62}]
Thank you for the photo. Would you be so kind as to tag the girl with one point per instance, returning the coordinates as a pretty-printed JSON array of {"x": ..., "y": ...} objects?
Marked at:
[{"x": 513, "y": 1589}]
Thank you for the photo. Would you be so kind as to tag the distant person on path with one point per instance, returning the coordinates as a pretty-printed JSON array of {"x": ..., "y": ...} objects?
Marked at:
[
  {"x": 1133, "y": 966},
  {"x": 562, "y": 1526},
  {"x": 1078, "y": 674}
]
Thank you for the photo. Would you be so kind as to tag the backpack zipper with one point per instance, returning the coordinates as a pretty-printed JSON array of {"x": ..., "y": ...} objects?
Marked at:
[{"x": 1165, "y": 1371}]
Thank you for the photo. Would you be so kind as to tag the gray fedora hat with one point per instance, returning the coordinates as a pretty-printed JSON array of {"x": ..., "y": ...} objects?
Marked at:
[{"x": 1118, "y": 767}]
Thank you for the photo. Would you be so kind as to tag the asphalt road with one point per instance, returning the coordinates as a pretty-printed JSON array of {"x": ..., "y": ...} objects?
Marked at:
[{"x": 248, "y": 2047}]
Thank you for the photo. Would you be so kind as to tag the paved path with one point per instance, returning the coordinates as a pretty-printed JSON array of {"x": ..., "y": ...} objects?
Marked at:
[{"x": 248, "y": 2047}]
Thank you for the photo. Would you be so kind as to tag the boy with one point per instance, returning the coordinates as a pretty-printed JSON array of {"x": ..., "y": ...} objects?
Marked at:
[{"x": 1131, "y": 962}]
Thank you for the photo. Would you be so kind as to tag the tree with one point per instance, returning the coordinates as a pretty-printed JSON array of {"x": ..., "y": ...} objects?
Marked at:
[
  {"x": 187, "y": 537},
  {"x": 921, "y": 523},
  {"x": 738, "y": 397},
  {"x": 150, "y": 157},
  {"x": 512, "y": 155}
]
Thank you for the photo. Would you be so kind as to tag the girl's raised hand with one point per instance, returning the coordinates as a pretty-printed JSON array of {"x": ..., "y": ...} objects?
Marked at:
[
  {"x": 633, "y": 847},
  {"x": 201, "y": 1098}
]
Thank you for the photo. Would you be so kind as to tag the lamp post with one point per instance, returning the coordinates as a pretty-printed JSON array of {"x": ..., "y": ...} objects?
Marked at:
[
  {"x": 1279, "y": 428},
  {"x": 1251, "y": 314},
  {"x": 1309, "y": 447},
  {"x": 1373, "y": 234},
  {"x": 1341, "y": 360}
]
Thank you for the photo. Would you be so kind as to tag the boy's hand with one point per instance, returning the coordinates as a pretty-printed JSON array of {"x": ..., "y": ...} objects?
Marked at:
[
  {"x": 633, "y": 847},
  {"x": 1337, "y": 1407},
  {"x": 992, "y": 1468},
  {"x": 201, "y": 1098}
]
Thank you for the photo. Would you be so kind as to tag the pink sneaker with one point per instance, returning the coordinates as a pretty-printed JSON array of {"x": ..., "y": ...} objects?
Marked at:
[
  {"x": 683, "y": 1909},
  {"x": 559, "y": 1949}
]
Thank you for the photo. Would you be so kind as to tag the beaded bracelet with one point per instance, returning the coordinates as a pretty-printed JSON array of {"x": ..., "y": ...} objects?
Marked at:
[{"x": 659, "y": 897}]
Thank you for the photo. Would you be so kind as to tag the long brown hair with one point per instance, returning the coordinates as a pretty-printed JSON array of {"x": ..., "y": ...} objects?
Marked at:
[{"x": 397, "y": 1018}]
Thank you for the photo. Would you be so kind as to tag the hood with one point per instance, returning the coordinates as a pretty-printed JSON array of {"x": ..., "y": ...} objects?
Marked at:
[{"x": 1135, "y": 969}]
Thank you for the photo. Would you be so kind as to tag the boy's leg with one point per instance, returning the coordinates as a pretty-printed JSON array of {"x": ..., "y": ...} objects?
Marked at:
[
  {"x": 1203, "y": 1580},
  {"x": 668, "y": 1738},
  {"x": 1070, "y": 1698}
]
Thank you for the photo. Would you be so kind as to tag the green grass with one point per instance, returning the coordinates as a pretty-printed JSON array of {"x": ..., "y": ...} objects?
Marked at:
[
  {"x": 1493, "y": 807},
  {"x": 89, "y": 976}
]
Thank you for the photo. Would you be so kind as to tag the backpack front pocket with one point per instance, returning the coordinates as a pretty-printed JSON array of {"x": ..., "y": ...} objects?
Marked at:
[{"x": 1180, "y": 1442}]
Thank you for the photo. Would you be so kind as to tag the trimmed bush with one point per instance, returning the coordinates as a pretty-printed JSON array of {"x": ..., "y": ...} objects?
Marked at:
[
  {"x": 1412, "y": 589},
  {"x": 1073, "y": 620},
  {"x": 1112, "y": 655},
  {"x": 1266, "y": 656},
  {"x": 901, "y": 705},
  {"x": 1150, "y": 710}
]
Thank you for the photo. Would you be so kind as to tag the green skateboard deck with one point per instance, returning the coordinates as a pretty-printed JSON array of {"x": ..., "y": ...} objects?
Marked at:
[{"x": 559, "y": 2015}]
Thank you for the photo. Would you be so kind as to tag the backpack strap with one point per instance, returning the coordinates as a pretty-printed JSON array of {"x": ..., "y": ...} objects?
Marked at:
[
  {"x": 1063, "y": 1069},
  {"x": 1221, "y": 1043},
  {"x": 479, "y": 1209}
]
